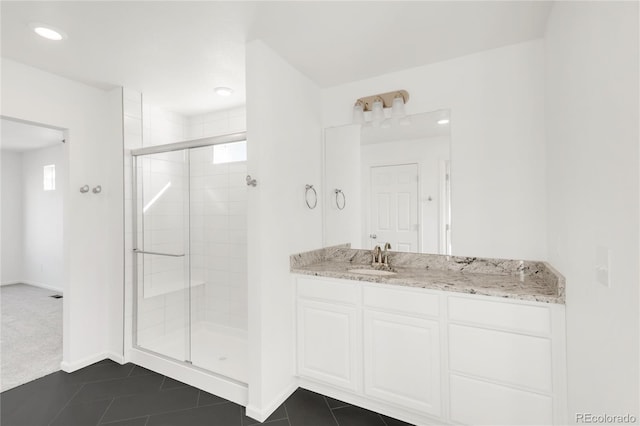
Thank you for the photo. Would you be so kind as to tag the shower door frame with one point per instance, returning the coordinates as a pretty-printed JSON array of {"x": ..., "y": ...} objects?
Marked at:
[{"x": 157, "y": 149}]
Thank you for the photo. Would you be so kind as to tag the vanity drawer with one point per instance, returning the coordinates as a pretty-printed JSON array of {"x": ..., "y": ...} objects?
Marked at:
[
  {"x": 509, "y": 358},
  {"x": 330, "y": 290},
  {"x": 504, "y": 315},
  {"x": 474, "y": 402},
  {"x": 401, "y": 300}
]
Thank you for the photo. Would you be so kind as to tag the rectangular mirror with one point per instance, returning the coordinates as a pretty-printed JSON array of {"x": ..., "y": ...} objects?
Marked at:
[{"x": 389, "y": 183}]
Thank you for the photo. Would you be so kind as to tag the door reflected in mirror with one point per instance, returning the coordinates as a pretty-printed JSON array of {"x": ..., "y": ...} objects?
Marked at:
[{"x": 390, "y": 184}]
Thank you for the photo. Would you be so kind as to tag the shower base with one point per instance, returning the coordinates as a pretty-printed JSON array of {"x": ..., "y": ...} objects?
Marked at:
[{"x": 221, "y": 350}]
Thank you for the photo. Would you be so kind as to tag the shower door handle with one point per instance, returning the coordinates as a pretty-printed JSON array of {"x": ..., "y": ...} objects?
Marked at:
[{"x": 157, "y": 253}]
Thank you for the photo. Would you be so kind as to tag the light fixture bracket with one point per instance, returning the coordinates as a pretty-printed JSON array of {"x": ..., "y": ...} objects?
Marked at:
[{"x": 387, "y": 99}]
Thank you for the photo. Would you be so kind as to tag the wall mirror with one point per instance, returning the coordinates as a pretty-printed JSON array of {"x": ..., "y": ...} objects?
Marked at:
[{"x": 389, "y": 184}]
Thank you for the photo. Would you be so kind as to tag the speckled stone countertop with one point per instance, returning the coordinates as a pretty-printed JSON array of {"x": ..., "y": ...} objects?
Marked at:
[{"x": 514, "y": 279}]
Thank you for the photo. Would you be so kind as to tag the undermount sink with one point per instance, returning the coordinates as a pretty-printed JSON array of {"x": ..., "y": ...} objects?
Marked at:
[{"x": 372, "y": 272}]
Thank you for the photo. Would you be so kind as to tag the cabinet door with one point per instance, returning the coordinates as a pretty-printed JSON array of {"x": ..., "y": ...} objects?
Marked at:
[
  {"x": 402, "y": 360},
  {"x": 327, "y": 344}
]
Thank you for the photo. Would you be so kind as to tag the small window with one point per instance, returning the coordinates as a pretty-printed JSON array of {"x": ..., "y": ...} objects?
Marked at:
[
  {"x": 49, "y": 173},
  {"x": 230, "y": 152}
]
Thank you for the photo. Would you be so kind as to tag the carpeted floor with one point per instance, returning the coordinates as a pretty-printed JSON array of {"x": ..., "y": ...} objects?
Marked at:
[{"x": 31, "y": 334}]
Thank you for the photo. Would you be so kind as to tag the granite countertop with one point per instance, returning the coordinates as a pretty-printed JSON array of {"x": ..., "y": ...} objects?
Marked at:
[{"x": 514, "y": 279}]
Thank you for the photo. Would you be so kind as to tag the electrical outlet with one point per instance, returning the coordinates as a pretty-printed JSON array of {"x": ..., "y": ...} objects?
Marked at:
[{"x": 603, "y": 266}]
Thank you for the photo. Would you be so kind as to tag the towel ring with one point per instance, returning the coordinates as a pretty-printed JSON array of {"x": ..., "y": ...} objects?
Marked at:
[
  {"x": 307, "y": 189},
  {"x": 344, "y": 199}
]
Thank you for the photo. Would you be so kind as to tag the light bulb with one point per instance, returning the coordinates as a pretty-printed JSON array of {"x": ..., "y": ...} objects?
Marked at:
[
  {"x": 397, "y": 108},
  {"x": 377, "y": 110},
  {"x": 358, "y": 113}
]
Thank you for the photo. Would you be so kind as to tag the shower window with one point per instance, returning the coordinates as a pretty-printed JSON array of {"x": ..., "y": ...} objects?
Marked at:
[{"x": 230, "y": 152}]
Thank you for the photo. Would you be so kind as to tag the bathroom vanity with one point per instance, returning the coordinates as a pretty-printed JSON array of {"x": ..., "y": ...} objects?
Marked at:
[{"x": 433, "y": 339}]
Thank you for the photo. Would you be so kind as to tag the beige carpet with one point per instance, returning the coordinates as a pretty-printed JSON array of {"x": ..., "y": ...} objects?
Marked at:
[{"x": 30, "y": 334}]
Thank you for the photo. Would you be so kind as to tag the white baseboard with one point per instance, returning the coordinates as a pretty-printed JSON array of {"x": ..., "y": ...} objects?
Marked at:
[
  {"x": 36, "y": 284},
  {"x": 261, "y": 414},
  {"x": 70, "y": 367},
  {"x": 119, "y": 358}
]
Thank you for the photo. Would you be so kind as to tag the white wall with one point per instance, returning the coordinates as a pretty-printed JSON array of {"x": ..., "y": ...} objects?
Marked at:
[
  {"x": 216, "y": 123},
  {"x": 161, "y": 126},
  {"x": 132, "y": 123},
  {"x": 592, "y": 161},
  {"x": 11, "y": 217},
  {"x": 284, "y": 154},
  {"x": 42, "y": 229},
  {"x": 94, "y": 139},
  {"x": 341, "y": 171},
  {"x": 497, "y": 140}
]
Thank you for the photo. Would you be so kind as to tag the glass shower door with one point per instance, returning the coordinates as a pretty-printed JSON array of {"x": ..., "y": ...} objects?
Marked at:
[
  {"x": 162, "y": 293},
  {"x": 218, "y": 198}
]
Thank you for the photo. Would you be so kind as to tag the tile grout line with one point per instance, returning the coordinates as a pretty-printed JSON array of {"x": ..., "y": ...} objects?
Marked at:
[
  {"x": 146, "y": 422},
  {"x": 105, "y": 411},
  {"x": 162, "y": 384},
  {"x": 287, "y": 413},
  {"x": 155, "y": 414},
  {"x": 381, "y": 418},
  {"x": 110, "y": 422},
  {"x": 67, "y": 404},
  {"x": 330, "y": 410}
]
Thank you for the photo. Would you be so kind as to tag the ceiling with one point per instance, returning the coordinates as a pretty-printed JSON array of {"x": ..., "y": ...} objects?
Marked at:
[
  {"x": 177, "y": 52},
  {"x": 19, "y": 136}
]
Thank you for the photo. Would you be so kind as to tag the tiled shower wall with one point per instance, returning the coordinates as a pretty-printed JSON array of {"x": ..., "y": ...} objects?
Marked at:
[{"x": 218, "y": 224}]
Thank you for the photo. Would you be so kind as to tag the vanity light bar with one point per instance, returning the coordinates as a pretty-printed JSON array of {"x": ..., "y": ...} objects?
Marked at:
[{"x": 387, "y": 99}]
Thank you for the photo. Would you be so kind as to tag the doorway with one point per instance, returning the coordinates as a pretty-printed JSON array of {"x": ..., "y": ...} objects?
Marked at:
[{"x": 33, "y": 193}]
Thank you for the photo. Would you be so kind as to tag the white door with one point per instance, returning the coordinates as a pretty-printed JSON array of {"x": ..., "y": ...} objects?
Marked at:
[
  {"x": 394, "y": 207},
  {"x": 402, "y": 360}
]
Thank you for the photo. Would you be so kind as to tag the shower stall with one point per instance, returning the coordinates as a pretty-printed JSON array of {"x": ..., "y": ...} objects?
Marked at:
[{"x": 190, "y": 244}]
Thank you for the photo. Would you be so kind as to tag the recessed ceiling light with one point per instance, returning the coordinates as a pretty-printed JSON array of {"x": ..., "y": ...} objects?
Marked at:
[
  {"x": 223, "y": 91},
  {"x": 48, "y": 32},
  {"x": 443, "y": 121}
]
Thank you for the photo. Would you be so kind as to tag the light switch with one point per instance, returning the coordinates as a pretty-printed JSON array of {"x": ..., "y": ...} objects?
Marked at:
[{"x": 603, "y": 266}]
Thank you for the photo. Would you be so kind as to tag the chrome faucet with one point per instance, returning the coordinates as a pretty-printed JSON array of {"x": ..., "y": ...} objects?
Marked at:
[
  {"x": 385, "y": 255},
  {"x": 376, "y": 256}
]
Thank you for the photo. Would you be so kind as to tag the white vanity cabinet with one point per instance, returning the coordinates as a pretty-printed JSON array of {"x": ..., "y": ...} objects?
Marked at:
[
  {"x": 402, "y": 348},
  {"x": 506, "y": 362},
  {"x": 328, "y": 333},
  {"x": 428, "y": 356}
]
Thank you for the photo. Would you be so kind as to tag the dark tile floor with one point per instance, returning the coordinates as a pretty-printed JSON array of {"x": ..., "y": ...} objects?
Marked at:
[{"x": 107, "y": 393}]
